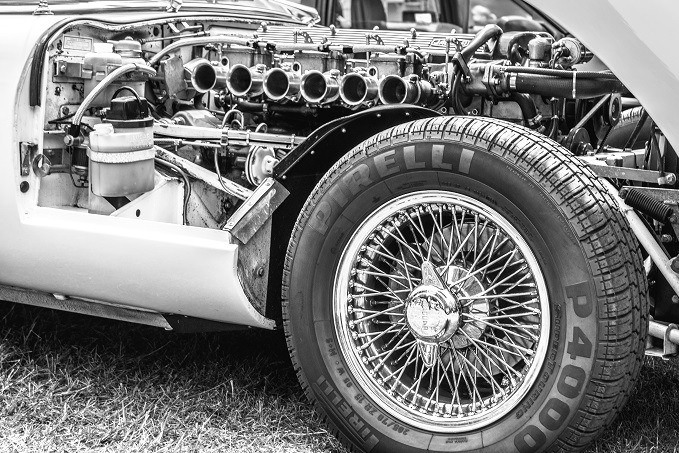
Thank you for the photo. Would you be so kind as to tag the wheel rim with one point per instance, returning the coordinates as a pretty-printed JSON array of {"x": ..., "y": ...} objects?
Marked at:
[{"x": 441, "y": 311}]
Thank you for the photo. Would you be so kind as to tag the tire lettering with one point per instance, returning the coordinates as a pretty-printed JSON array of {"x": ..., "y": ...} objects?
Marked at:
[
  {"x": 578, "y": 295},
  {"x": 386, "y": 163},
  {"x": 437, "y": 155},
  {"x": 409, "y": 157},
  {"x": 337, "y": 194},
  {"x": 530, "y": 440},
  {"x": 319, "y": 219},
  {"x": 457, "y": 440},
  {"x": 466, "y": 160},
  {"x": 554, "y": 414},
  {"x": 330, "y": 343},
  {"x": 356, "y": 426},
  {"x": 389, "y": 423},
  {"x": 358, "y": 179},
  {"x": 571, "y": 381},
  {"x": 580, "y": 346}
]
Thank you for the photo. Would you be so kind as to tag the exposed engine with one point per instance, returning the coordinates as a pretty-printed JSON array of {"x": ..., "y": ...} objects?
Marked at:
[{"x": 204, "y": 103}]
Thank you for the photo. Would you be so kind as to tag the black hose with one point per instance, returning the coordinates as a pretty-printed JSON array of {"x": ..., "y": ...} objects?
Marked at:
[
  {"x": 455, "y": 92},
  {"x": 554, "y": 125},
  {"x": 486, "y": 34},
  {"x": 563, "y": 88},
  {"x": 258, "y": 107},
  {"x": 250, "y": 107},
  {"x": 599, "y": 75},
  {"x": 187, "y": 185},
  {"x": 528, "y": 108}
]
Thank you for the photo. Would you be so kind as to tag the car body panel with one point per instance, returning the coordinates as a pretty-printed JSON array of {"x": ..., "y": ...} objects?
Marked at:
[
  {"x": 161, "y": 267},
  {"x": 636, "y": 40},
  {"x": 106, "y": 8}
]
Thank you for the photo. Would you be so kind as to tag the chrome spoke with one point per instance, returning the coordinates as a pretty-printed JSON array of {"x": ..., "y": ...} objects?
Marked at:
[{"x": 441, "y": 310}]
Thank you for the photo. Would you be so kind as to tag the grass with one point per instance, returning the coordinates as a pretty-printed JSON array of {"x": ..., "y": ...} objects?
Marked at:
[{"x": 73, "y": 383}]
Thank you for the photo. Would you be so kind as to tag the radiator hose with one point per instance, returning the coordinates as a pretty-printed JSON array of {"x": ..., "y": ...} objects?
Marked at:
[
  {"x": 566, "y": 74},
  {"x": 570, "y": 88}
]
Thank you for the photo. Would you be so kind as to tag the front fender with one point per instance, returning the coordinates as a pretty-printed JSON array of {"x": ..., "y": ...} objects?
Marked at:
[
  {"x": 327, "y": 144},
  {"x": 301, "y": 169}
]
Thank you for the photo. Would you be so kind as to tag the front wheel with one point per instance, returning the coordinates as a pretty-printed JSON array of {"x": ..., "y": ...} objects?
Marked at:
[{"x": 463, "y": 284}]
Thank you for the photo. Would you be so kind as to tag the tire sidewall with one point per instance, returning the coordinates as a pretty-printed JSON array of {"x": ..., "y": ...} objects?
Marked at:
[{"x": 367, "y": 180}]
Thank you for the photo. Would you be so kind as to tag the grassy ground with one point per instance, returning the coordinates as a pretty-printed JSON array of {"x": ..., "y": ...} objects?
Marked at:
[{"x": 73, "y": 383}]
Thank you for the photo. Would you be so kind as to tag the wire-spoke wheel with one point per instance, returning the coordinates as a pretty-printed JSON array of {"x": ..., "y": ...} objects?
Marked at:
[
  {"x": 439, "y": 305},
  {"x": 464, "y": 284}
]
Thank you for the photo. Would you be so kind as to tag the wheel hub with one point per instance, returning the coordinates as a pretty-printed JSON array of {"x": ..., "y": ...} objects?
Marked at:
[{"x": 432, "y": 314}]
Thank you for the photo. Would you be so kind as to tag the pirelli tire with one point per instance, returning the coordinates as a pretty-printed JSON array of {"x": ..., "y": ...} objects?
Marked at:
[{"x": 536, "y": 352}]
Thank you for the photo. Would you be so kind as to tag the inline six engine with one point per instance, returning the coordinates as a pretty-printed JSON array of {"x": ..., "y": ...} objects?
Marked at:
[{"x": 216, "y": 109}]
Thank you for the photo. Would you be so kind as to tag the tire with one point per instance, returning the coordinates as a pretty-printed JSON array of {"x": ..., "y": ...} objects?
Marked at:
[
  {"x": 623, "y": 130},
  {"x": 372, "y": 242}
]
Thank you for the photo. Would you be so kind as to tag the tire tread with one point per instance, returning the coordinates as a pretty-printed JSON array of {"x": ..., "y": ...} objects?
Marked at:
[{"x": 605, "y": 236}]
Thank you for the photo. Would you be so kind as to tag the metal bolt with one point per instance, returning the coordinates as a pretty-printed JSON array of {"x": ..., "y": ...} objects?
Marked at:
[
  {"x": 666, "y": 238},
  {"x": 674, "y": 264},
  {"x": 260, "y": 272}
]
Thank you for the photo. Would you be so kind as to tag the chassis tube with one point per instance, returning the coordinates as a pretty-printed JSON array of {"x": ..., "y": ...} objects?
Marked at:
[{"x": 646, "y": 238}]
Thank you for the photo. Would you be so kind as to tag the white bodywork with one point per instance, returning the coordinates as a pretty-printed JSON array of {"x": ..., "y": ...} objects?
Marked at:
[
  {"x": 174, "y": 269},
  {"x": 637, "y": 41},
  {"x": 161, "y": 267}
]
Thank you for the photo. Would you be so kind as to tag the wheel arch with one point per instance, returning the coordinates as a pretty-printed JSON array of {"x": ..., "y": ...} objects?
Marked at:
[{"x": 303, "y": 167}]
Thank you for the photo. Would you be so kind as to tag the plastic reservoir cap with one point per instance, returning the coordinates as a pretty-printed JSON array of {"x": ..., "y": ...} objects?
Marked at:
[{"x": 128, "y": 47}]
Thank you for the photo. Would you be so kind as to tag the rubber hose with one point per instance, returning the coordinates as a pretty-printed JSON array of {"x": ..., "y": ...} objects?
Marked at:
[
  {"x": 528, "y": 108},
  {"x": 599, "y": 75},
  {"x": 563, "y": 88},
  {"x": 486, "y": 34},
  {"x": 258, "y": 107}
]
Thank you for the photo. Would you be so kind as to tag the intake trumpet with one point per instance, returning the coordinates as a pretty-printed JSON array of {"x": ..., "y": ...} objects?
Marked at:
[
  {"x": 245, "y": 82},
  {"x": 358, "y": 89},
  {"x": 282, "y": 83},
  {"x": 320, "y": 88},
  {"x": 200, "y": 75},
  {"x": 405, "y": 90}
]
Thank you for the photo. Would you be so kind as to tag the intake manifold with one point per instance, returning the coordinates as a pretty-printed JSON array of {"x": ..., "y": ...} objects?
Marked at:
[
  {"x": 282, "y": 83},
  {"x": 320, "y": 88},
  {"x": 405, "y": 90},
  {"x": 358, "y": 89},
  {"x": 246, "y": 82}
]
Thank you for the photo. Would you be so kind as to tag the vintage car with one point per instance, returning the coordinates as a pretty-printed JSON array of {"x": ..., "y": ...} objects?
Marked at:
[{"x": 469, "y": 245}]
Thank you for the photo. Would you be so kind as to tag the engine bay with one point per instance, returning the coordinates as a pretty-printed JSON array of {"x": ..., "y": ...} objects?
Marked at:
[{"x": 180, "y": 121}]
